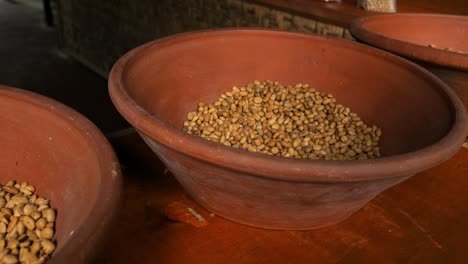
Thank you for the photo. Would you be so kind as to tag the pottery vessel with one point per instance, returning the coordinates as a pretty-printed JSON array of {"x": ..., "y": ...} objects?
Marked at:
[
  {"x": 68, "y": 160},
  {"x": 435, "y": 41},
  {"x": 155, "y": 85}
]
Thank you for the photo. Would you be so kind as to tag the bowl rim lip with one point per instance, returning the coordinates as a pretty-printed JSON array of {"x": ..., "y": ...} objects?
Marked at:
[
  {"x": 91, "y": 230},
  {"x": 281, "y": 168},
  {"x": 408, "y": 49}
]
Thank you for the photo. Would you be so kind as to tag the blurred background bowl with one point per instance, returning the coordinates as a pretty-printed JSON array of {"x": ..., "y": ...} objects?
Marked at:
[
  {"x": 155, "y": 85},
  {"x": 68, "y": 160},
  {"x": 435, "y": 41}
]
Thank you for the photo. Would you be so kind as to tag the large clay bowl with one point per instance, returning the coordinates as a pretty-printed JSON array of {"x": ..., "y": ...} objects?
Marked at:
[
  {"x": 68, "y": 160},
  {"x": 424, "y": 39},
  {"x": 155, "y": 85}
]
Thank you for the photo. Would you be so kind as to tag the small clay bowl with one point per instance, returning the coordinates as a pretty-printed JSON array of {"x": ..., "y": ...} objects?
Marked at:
[
  {"x": 435, "y": 41},
  {"x": 68, "y": 160},
  {"x": 154, "y": 87}
]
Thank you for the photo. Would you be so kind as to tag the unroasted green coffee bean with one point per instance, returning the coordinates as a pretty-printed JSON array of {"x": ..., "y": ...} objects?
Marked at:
[
  {"x": 49, "y": 214},
  {"x": 41, "y": 223},
  {"x": 47, "y": 246},
  {"x": 10, "y": 259},
  {"x": 47, "y": 233}
]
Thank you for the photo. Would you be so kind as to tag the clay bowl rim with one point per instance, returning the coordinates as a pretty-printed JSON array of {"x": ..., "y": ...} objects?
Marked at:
[
  {"x": 409, "y": 49},
  {"x": 281, "y": 168},
  {"x": 106, "y": 202}
]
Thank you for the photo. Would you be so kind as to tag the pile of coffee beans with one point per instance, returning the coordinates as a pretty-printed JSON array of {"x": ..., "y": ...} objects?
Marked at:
[
  {"x": 27, "y": 225},
  {"x": 289, "y": 121}
]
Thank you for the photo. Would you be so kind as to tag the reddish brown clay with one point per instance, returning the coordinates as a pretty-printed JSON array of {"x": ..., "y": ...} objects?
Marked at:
[
  {"x": 68, "y": 160},
  {"x": 155, "y": 85},
  {"x": 412, "y": 35}
]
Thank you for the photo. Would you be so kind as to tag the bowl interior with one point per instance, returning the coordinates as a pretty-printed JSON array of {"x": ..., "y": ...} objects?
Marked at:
[
  {"x": 42, "y": 145},
  {"x": 443, "y": 31},
  {"x": 169, "y": 77}
]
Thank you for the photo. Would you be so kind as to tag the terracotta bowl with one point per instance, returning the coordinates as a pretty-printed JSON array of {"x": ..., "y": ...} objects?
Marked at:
[
  {"x": 155, "y": 85},
  {"x": 68, "y": 160},
  {"x": 412, "y": 35}
]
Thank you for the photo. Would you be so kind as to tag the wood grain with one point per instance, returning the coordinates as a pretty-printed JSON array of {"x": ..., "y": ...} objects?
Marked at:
[{"x": 422, "y": 220}]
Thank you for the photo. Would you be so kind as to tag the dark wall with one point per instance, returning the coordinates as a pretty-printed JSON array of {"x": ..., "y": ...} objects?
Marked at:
[{"x": 97, "y": 33}]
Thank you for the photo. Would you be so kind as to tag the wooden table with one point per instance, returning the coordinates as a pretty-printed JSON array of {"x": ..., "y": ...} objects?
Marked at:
[{"x": 422, "y": 220}]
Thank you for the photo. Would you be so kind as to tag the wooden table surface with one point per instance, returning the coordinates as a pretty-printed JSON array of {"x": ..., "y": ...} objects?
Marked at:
[
  {"x": 342, "y": 14},
  {"x": 422, "y": 220}
]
